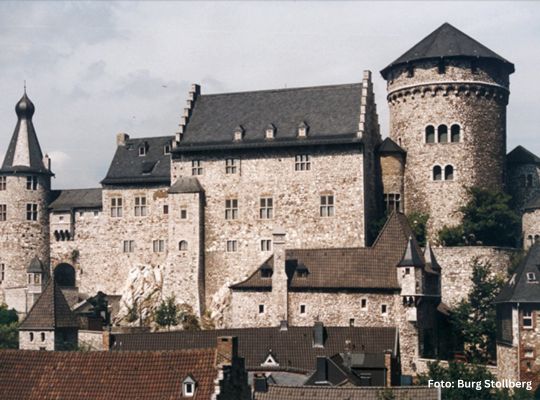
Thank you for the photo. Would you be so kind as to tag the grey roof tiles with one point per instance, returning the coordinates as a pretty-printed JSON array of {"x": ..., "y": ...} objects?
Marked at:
[{"x": 71, "y": 199}]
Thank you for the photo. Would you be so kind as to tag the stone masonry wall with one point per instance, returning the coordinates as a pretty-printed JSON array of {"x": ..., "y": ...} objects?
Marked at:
[
  {"x": 456, "y": 268},
  {"x": 20, "y": 239},
  {"x": 296, "y": 203},
  {"x": 529, "y": 349},
  {"x": 517, "y": 183},
  {"x": 26, "y": 343},
  {"x": 531, "y": 227},
  {"x": 507, "y": 360},
  {"x": 474, "y": 101},
  {"x": 392, "y": 168}
]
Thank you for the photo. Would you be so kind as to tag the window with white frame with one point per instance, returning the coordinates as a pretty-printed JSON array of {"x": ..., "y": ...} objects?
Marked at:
[
  {"x": 31, "y": 212},
  {"x": 392, "y": 201},
  {"x": 158, "y": 246},
  {"x": 527, "y": 319},
  {"x": 3, "y": 183},
  {"x": 141, "y": 209},
  {"x": 116, "y": 207},
  {"x": 531, "y": 277},
  {"x": 196, "y": 167},
  {"x": 302, "y": 162},
  {"x": 327, "y": 205},
  {"x": 31, "y": 182},
  {"x": 129, "y": 246},
  {"x": 3, "y": 212},
  {"x": 167, "y": 149},
  {"x": 302, "y": 308},
  {"x": 266, "y": 245},
  {"x": 232, "y": 246},
  {"x": 266, "y": 208},
  {"x": 231, "y": 166},
  {"x": 188, "y": 387},
  {"x": 231, "y": 208}
]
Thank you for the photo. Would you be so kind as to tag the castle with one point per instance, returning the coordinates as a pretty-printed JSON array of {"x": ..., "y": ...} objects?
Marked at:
[{"x": 259, "y": 208}]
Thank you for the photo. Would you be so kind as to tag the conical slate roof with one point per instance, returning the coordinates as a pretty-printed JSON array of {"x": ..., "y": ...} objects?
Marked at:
[
  {"x": 50, "y": 311},
  {"x": 388, "y": 146},
  {"x": 35, "y": 266},
  {"x": 431, "y": 262},
  {"x": 412, "y": 256},
  {"x": 447, "y": 42},
  {"x": 520, "y": 155},
  {"x": 24, "y": 153}
]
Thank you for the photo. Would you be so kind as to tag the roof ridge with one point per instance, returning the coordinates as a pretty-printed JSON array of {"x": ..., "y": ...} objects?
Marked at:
[{"x": 283, "y": 89}]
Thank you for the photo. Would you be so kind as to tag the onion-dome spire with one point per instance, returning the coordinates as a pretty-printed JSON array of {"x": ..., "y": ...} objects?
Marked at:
[{"x": 24, "y": 153}]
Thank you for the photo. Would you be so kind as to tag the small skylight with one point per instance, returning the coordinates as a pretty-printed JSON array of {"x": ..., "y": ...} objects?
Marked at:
[
  {"x": 270, "y": 131},
  {"x": 188, "y": 387},
  {"x": 302, "y": 129},
  {"x": 238, "y": 133},
  {"x": 143, "y": 149},
  {"x": 167, "y": 149},
  {"x": 531, "y": 277}
]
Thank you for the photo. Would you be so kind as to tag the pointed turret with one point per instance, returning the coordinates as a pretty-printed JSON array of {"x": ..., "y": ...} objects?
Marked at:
[
  {"x": 411, "y": 257},
  {"x": 431, "y": 262},
  {"x": 24, "y": 153}
]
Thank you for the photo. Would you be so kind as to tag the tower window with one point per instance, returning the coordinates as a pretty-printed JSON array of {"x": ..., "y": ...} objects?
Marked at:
[
  {"x": 158, "y": 246},
  {"x": 31, "y": 182},
  {"x": 363, "y": 304},
  {"x": 231, "y": 166},
  {"x": 442, "y": 134},
  {"x": 302, "y": 162},
  {"x": 183, "y": 213},
  {"x": 141, "y": 209},
  {"x": 437, "y": 173},
  {"x": 3, "y": 183},
  {"x": 455, "y": 133},
  {"x": 116, "y": 207},
  {"x": 430, "y": 134},
  {"x": 266, "y": 208},
  {"x": 3, "y": 212},
  {"x": 129, "y": 246},
  {"x": 231, "y": 209},
  {"x": 31, "y": 212},
  {"x": 327, "y": 206},
  {"x": 448, "y": 173},
  {"x": 196, "y": 167},
  {"x": 527, "y": 319},
  {"x": 42, "y": 336},
  {"x": 232, "y": 246},
  {"x": 182, "y": 246},
  {"x": 266, "y": 245},
  {"x": 167, "y": 149},
  {"x": 392, "y": 201},
  {"x": 261, "y": 308}
]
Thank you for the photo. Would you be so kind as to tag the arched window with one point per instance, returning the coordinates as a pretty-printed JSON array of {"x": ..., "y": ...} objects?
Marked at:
[
  {"x": 64, "y": 275},
  {"x": 31, "y": 336},
  {"x": 42, "y": 336},
  {"x": 437, "y": 173},
  {"x": 442, "y": 133},
  {"x": 430, "y": 134},
  {"x": 448, "y": 173},
  {"x": 455, "y": 132},
  {"x": 182, "y": 246}
]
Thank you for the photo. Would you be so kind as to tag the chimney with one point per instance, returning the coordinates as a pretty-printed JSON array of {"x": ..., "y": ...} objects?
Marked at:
[
  {"x": 121, "y": 139},
  {"x": 283, "y": 325},
  {"x": 279, "y": 276},
  {"x": 318, "y": 334},
  {"x": 322, "y": 370},
  {"x": 47, "y": 162},
  {"x": 226, "y": 351},
  {"x": 260, "y": 383}
]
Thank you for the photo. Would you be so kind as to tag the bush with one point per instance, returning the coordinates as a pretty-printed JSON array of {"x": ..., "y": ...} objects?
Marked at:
[
  {"x": 418, "y": 222},
  {"x": 167, "y": 313},
  {"x": 451, "y": 236}
]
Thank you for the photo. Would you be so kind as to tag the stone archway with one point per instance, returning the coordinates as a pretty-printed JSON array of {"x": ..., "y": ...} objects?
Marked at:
[{"x": 64, "y": 275}]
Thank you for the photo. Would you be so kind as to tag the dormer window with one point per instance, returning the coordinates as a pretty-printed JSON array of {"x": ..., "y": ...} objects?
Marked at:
[
  {"x": 238, "y": 133},
  {"x": 302, "y": 129},
  {"x": 531, "y": 277},
  {"x": 167, "y": 149},
  {"x": 266, "y": 273},
  {"x": 143, "y": 149},
  {"x": 188, "y": 387},
  {"x": 270, "y": 131}
]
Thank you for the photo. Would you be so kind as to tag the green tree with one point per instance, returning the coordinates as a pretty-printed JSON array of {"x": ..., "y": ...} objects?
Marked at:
[
  {"x": 9, "y": 334},
  {"x": 167, "y": 313},
  {"x": 488, "y": 219},
  {"x": 418, "y": 222},
  {"x": 474, "y": 319}
]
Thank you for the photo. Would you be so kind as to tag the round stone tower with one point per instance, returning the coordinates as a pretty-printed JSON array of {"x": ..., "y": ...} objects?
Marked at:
[
  {"x": 25, "y": 187},
  {"x": 447, "y": 97}
]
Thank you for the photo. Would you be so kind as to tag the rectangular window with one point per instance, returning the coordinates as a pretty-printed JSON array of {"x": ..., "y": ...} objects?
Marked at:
[
  {"x": 231, "y": 209},
  {"x": 31, "y": 182},
  {"x": 3, "y": 212},
  {"x": 167, "y": 149},
  {"x": 302, "y": 308},
  {"x": 31, "y": 212},
  {"x": 266, "y": 208},
  {"x": 183, "y": 213},
  {"x": 384, "y": 309},
  {"x": 140, "y": 206},
  {"x": 165, "y": 209},
  {"x": 129, "y": 246},
  {"x": 266, "y": 245},
  {"x": 2, "y": 272},
  {"x": 302, "y": 162},
  {"x": 196, "y": 167},
  {"x": 527, "y": 319},
  {"x": 351, "y": 322},
  {"x": 116, "y": 207},
  {"x": 3, "y": 183},
  {"x": 232, "y": 245},
  {"x": 231, "y": 166},
  {"x": 363, "y": 304},
  {"x": 159, "y": 246},
  {"x": 392, "y": 201},
  {"x": 327, "y": 206},
  {"x": 261, "y": 308}
]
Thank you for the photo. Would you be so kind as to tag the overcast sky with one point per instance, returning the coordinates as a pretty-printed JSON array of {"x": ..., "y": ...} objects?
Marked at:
[{"x": 96, "y": 69}]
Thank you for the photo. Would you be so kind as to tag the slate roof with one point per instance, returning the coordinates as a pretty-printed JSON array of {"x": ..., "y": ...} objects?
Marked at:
[
  {"x": 412, "y": 257},
  {"x": 332, "y": 114},
  {"x": 24, "y": 153},
  {"x": 388, "y": 146},
  {"x": 519, "y": 289},
  {"x": 346, "y": 393},
  {"x": 292, "y": 348},
  {"x": 347, "y": 268},
  {"x": 71, "y": 199},
  {"x": 101, "y": 375},
  {"x": 186, "y": 184},
  {"x": 520, "y": 155},
  {"x": 127, "y": 167},
  {"x": 447, "y": 42},
  {"x": 35, "y": 266},
  {"x": 50, "y": 311},
  {"x": 533, "y": 203}
]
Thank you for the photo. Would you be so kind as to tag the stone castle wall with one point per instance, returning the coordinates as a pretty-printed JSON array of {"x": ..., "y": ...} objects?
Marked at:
[
  {"x": 518, "y": 186},
  {"x": 20, "y": 239},
  {"x": 530, "y": 227},
  {"x": 529, "y": 348},
  {"x": 474, "y": 101},
  {"x": 27, "y": 343}
]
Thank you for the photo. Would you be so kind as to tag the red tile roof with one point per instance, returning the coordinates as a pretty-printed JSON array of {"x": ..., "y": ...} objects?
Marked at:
[{"x": 43, "y": 375}]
